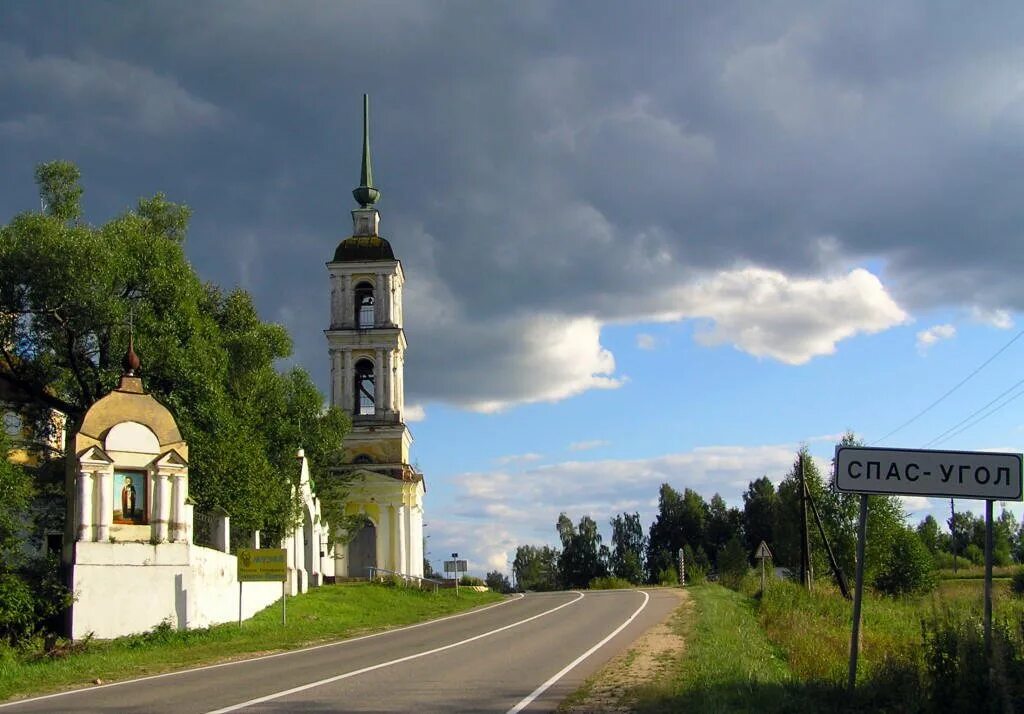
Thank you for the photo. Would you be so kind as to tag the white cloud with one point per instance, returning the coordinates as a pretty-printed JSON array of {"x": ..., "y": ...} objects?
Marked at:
[
  {"x": 496, "y": 511},
  {"x": 927, "y": 338},
  {"x": 518, "y": 459},
  {"x": 414, "y": 413},
  {"x": 1000, "y": 319},
  {"x": 645, "y": 341},
  {"x": 587, "y": 445},
  {"x": 768, "y": 314}
]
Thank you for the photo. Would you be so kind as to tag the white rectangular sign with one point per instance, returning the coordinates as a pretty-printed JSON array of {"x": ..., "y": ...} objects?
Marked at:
[{"x": 921, "y": 472}]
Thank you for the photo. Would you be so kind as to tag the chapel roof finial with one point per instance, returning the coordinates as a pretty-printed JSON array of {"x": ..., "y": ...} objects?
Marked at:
[
  {"x": 365, "y": 194},
  {"x": 131, "y": 362}
]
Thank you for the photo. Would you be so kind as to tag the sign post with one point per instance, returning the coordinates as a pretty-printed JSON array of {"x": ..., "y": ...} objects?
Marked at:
[
  {"x": 455, "y": 566},
  {"x": 762, "y": 553},
  {"x": 983, "y": 475},
  {"x": 262, "y": 565},
  {"x": 682, "y": 568}
]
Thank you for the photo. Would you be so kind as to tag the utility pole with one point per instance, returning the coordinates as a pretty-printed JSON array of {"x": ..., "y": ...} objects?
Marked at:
[
  {"x": 805, "y": 541},
  {"x": 952, "y": 533}
]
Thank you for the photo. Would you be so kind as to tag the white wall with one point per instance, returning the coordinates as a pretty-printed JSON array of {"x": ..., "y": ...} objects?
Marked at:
[{"x": 189, "y": 585}]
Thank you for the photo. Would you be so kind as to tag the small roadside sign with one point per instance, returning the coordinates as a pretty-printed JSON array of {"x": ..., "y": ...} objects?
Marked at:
[
  {"x": 985, "y": 475},
  {"x": 762, "y": 551},
  {"x": 455, "y": 566},
  {"x": 262, "y": 565}
]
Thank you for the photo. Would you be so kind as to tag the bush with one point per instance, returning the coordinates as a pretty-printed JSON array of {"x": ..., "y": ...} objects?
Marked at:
[
  {"x": 974, "y": 554},
  {"x": 1017, "y": 582},
  {"x": 469, "y": 580},
  {"x": 908, "y": 566},
  {"x": 732, "y": 563},
  {"x": 668, "y": 576},
  {"x": 609, "y": 583}
]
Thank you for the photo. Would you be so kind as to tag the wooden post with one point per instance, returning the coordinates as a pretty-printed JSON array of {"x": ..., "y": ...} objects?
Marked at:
[
  {"x": 858, "y": 591},
  {"x": 952, "y": 533},
  {"x": 988, "y": 577},
  {"x": 805, "y": 543}
]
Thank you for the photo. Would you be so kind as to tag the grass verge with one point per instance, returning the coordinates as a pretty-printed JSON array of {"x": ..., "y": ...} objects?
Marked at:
[
  {"x": 728, "y": 664},
  {"x": 328, "y": 613}
]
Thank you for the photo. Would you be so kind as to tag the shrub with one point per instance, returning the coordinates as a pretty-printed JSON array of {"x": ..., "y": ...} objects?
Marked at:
[
  {"x": 470, "y": 580},
  {"x": 668, "y": 576},
  {"x": 609, "y": 583},
  {"x": 732, "y": 563},
  {"x": 974, "y": 554},
  {"x": 1017, "y": 582},
  {"x": 908, "y": 566}
]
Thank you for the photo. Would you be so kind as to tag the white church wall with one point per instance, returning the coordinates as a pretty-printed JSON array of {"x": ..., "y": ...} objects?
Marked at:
[{"x": 188, "y": 585}]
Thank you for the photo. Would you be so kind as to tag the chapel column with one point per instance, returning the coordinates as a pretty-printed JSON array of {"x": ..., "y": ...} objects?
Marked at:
[
  {"x": 85, "y": 522},
  {"x": 379, "y": 405},
  {"x": 347, "y": 304},
  {"x": 104, "y": 511},
  {"x": 347, "y": 397},
  {"x": 162, "y": 508},
  {"x": 179, "y": 491},
  {"x": 384, "y": 538}
]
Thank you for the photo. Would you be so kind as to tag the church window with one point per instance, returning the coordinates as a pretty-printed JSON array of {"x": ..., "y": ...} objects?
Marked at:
[
  {"x": 365, "y": 393},
  {"x": 364, "y": 305}
]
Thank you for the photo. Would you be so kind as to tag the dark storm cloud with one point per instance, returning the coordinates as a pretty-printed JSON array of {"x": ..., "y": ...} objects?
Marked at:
[{"x": 537, "y": 160}]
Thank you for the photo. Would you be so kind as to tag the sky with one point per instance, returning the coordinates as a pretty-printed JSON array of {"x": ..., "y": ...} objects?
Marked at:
[{"x": 650, "y": 243}]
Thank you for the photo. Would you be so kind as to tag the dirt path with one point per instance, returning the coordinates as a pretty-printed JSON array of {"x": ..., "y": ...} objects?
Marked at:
[{"x": 609, "y": 691}]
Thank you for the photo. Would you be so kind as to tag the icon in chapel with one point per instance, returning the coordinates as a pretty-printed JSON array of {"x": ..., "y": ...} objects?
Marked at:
[{"x": 129, "y": 498}]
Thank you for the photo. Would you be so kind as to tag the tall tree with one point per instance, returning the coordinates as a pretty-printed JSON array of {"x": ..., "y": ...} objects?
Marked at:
[
  {"x": 680, "y": 521},
  {"x": 722, "y": 525},
  {"x": 536, "y": 567},
  {"x": 582, "y": 559},
  {"x": 760, "y": 507},
  {"x": 206, "y": 354},
  {"x": 628, "y": 545}
]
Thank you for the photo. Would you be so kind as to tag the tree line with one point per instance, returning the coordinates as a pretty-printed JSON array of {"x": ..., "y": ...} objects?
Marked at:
[
  {"x": 717, "y": 538},
  {"x": 71, "y": 294}
]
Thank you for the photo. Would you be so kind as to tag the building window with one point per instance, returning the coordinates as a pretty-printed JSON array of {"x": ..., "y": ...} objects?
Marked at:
[
  {"x": 364, "y": 305},
  {"x": 365, "y": 393}
]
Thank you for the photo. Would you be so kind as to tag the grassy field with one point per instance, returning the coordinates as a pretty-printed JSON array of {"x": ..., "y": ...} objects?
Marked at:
[
  {"x": 788, "y": 650},
  {"x": 328, "y": 613}
]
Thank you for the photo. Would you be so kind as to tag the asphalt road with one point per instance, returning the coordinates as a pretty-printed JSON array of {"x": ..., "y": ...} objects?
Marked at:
[{"x": 524, "y": 654}]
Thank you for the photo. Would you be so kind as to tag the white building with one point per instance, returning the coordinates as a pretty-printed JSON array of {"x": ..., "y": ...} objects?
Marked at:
[{"x": 367, "y": 351}]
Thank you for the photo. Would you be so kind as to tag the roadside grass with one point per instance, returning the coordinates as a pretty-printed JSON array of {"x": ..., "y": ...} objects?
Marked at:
[
  {"x": 332, "y": 612},
  {"x": 728, "y": 664}
]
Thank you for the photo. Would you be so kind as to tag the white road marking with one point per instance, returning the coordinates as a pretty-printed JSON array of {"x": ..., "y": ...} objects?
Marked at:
[
  {"x": 382, "y": 665},
  {"x": 544, "y": 687},
  {"x": 232, "y": 663}
]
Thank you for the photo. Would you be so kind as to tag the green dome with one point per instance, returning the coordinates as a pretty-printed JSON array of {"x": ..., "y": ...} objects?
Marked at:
[{"x": 360, "y": 248}]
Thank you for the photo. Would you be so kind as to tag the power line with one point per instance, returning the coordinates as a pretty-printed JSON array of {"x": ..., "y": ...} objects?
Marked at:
[
  {"x": 985, "y": 416},
  {"x": 955, "y": 387},
  {"x": 947, "y": 433}
]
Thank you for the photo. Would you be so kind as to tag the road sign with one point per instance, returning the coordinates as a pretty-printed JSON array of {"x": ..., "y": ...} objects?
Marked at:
[
  {"x": 455, "y": 566},
  {"x": 762, "y": 551},
  {"x": 262, "y": 565},
  {"x": 921, "y": 472}
]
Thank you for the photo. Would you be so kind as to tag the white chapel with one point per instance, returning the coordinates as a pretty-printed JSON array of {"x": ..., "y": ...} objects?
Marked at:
[{"x": 367, "y": 351}]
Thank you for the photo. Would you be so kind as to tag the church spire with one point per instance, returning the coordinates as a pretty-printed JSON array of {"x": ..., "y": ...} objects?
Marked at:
[{"x": 366, "y": 194}]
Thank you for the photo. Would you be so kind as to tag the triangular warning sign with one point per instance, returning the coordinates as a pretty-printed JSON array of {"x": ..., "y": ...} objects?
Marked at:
[{"x": 762, "y": 551}]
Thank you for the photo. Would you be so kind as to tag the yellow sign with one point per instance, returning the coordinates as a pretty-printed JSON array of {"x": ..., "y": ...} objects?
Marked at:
[{"x": 262, "y": 564}]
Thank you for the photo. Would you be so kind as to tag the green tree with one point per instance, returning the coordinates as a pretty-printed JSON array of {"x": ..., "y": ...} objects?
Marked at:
[
  {"x": 722, "y": 525},
  {"x": 536, "y": 567},
  {"x": 206, "y": 354},
  {"x": 680, "y": 521},
  {"x": 760, "y": 507},
  {"x": 31, "y": 592},
  {"x": 928, "y": 532},
  {"x": 628, "y": 545},
  {"x": 907, "y": 568},
  {"x": 498, "y": 582},
  {"x": 581, "y": 558},
  {"x": 733, "y": 563}
]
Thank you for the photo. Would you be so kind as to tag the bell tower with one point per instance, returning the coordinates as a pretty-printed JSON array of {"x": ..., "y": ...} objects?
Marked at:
[{"x": 367, "y": 345}]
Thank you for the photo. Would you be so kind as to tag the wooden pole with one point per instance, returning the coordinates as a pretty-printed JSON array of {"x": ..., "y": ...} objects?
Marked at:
[
  {"x": 952, "y": 533},
  {"x": 988, "y": 577},
  {"x": 836, "y": 570},
  {"x": 805, "y": 542},
  {"x": 858, "y": 591}
]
